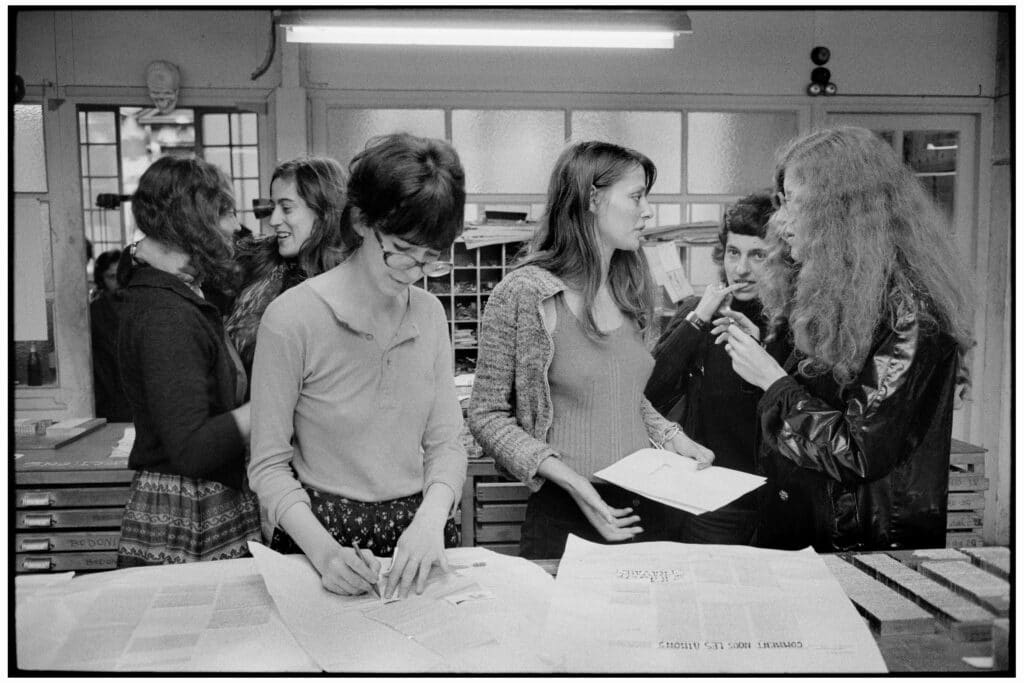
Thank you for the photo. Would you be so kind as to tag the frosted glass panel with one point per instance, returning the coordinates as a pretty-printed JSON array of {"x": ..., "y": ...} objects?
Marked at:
[
  {"x": 348, "y": 130},
  {"x": 667, "y": 214},
  {"x": 700, "y": 213},
  {"x": 729, "y": 153},
  {"x": 103, "y": 160},
  {"x": 702, "y": 270},
  {"x": 101, "y": 127},
  {"x": 215, "y": 129},
  {"x": 249, "y": 135},
  {"x": 654, "y": 133},
  {"x": 508, "y": 152},
  {"x": 29, "y": 152}
]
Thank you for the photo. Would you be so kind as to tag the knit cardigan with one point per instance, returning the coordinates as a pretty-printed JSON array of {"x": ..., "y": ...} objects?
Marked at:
[{"x": 510, "y": 410}]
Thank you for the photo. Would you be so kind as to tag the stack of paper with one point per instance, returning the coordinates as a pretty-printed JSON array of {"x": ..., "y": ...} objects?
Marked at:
[{"x": 674, "y": 480}]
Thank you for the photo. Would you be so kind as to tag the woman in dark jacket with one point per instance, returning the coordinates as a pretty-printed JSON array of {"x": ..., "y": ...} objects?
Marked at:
[
  {"x": 856, "y": 424},
  {"x": 693, "y": 381},
  {"x": 188, "y": 499}
]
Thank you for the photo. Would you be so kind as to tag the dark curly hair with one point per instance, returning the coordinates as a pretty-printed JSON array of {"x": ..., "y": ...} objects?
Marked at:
[
  {"x": 103, "y": 263},
  {"x": 409, "y": 187},
  {"x": 180, "y": 203},
  {"x": 748, "y": 216}
]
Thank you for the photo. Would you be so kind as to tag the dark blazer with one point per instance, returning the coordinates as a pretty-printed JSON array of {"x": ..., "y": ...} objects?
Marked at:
[
  {"x": 180, "y": 381},
  {"x": 866, "y": 466},
  {"x": 105, "y": 320}
]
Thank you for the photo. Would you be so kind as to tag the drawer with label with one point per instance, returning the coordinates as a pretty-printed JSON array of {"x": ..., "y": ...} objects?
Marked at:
[
  {"x": 66, "y": 541},
  {"x": 56, "y": 497},
  {"x": 63, "y": 562},
  {"x": 70, "y": 518}
]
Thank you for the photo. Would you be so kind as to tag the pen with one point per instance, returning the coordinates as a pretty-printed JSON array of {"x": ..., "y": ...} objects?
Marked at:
[{"x": 359, "y": 554}]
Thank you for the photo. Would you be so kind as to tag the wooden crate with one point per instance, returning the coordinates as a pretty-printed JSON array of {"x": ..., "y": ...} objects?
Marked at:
[{"x": 965, "y": 511}]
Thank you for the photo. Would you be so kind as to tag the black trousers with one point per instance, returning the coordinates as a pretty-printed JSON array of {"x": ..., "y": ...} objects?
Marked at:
[{"x": 552, "y": 514}]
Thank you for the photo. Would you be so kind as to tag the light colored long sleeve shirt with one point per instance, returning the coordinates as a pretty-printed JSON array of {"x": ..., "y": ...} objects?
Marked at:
[{"x": 363, "y": 418}]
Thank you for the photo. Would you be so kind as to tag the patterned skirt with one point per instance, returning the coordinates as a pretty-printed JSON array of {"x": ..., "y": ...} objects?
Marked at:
[
  {"x": 375, "y": 526},
  {"x": 170, "y": 519}
]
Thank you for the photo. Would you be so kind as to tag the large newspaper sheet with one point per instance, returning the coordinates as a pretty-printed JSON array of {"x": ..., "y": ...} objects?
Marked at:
[
  {"x": 483, "y": 617},
  {"x": 205, "y": 616},
  {"x": 682, "y": 608}
]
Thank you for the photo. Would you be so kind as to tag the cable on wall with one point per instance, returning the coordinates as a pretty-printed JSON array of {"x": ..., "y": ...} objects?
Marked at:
[{"x": 262, "y": 68}]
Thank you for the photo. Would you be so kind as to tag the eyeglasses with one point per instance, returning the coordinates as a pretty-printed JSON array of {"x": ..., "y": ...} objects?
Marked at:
[
  {"x": 393, "y": 259},
  {"x": 262, "y": 208}
]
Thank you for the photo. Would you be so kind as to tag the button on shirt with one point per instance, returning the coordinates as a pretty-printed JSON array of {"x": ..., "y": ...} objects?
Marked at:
[{"x": 365, "y": 418}]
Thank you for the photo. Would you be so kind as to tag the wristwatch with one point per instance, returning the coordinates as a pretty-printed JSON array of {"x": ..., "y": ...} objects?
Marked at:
[{"x": 697, "y": 322}]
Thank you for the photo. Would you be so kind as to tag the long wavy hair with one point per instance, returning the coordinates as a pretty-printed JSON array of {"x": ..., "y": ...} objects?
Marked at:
[
  {"x": 875, "y": 249},
  {"x": 407, "y": 186},
  {"x": 180, "y": 202},
  {"x": 566, "y": 242},
  {"x": 320, "y": 181}
]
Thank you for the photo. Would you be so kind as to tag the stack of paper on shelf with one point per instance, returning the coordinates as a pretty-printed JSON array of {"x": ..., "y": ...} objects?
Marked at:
[{"x": 674, "y": 480}]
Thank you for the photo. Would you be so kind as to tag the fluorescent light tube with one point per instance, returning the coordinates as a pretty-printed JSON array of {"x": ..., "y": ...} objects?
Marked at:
[{"x": 482, "y": 37}]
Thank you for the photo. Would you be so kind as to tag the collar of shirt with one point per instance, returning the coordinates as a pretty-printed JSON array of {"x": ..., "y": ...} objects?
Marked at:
[{"x": 331, "y": 288}]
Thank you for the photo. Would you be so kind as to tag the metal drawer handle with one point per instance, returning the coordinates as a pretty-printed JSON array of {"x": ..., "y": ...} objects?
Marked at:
[
  {"x": 38, "y": 563},
  {"x": 39, "y": 520},
  {"x": 36, "y": 500},
  {"x": 34, "y": 545}
]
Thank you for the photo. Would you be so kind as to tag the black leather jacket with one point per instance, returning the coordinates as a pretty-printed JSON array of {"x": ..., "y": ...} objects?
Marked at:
[{"x": 865, "y": 466}]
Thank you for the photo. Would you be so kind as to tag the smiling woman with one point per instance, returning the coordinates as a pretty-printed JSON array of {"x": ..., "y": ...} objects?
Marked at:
[{"x": 308, "y": 196}]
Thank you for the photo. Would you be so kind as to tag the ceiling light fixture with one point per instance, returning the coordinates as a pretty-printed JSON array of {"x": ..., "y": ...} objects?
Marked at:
[{"x": 555, "y": 28}]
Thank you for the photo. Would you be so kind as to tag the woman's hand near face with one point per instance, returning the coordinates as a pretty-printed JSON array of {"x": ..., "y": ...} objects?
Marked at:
[
  {"x": 712, "y": 299},
  {"x": 731, "y": 317},
  {"x": 749, "y": 360}
]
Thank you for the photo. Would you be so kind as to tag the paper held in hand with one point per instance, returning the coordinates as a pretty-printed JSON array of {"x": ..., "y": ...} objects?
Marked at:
[{"x": 674, "y": 480}]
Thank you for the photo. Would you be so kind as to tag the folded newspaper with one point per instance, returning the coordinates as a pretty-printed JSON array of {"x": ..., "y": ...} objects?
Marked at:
[{"x": 674, "y": 480}]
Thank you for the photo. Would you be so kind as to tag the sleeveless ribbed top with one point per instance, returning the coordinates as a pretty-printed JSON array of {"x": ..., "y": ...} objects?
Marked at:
[{"x": 596, "y": 389}]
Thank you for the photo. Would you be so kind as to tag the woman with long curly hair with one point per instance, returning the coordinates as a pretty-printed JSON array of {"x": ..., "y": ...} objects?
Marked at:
[
  {"x": 308, "y": 194},
  {"x": 188, "y": 500},
  {"x": 857, "y": 424},
  {"x": 558, "y": 393}
]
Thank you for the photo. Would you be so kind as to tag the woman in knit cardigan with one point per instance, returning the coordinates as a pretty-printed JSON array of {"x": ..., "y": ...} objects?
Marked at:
[{"x": 558, "y": 393}]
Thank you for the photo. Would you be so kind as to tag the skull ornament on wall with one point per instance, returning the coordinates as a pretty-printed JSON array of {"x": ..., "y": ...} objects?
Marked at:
[{"x": 162, "y": 81}]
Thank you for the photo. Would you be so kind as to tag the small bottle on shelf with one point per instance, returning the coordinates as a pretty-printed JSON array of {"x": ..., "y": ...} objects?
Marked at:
[{"x": 35, "y": 367}]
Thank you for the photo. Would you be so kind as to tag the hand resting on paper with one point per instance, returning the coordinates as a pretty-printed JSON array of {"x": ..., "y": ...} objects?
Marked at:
[
  {"x": 614, "y": 524},
  {"x": 685, "y": 446},
  {"x": 421, "y": 545}
]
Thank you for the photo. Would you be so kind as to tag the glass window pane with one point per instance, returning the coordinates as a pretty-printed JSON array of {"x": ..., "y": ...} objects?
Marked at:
[
  {"x": 29, "y": 150},
  {"x": 83, "y": 130},
  {"x": 86, "y": 199},
  {"x": 348, "y": 130},
  {"x": 215, "y": 129},
  {"x": 700, "y": 213},
  {"x": 931, "y": 151},
  {"x": 102, "y": 186},
  {"x": 508, "y": 151},
  {"x": 702, "y": 270},
  {"x": 250, "y": 191},
  {"x": 657, "y": 134},
  {"x": 249, "y": 134},
  {"x": 235, "y": 125},
  {"x": 83, "y": 155},
  {"x": 103, "y": 160},
  {"x": 220, "y": 157},
  {"x": 941, "y": 188},
  {"x": 734, "y": 153},
  {"x": 668, "y": 214},
  {"x": 101, "y": 127},
  {"x": 246, "y": 162}
]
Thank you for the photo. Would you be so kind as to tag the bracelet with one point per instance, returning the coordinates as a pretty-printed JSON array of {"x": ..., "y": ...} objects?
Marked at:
[
  {"x": 669, "y": 435},
  {"x": 695, "y": 320}
]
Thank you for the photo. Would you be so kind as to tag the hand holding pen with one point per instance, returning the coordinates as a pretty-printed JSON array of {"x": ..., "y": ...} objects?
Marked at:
[{"x": 371, "y": 565}]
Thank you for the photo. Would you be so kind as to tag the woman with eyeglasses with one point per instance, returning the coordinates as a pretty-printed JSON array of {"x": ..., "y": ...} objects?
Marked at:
[
  {"x": 856, "y": 424},
  {"x": 189, "y": 500},
  {"x": 307, "y": 196},
  {"x": 356, "y": 421},
  {"x": 558, "y": 393}
]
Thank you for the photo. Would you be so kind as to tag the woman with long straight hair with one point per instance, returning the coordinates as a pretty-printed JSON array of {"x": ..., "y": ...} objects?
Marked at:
[
  {"x": 856, "y": 424},
  {"x": 563, "y": 361}
]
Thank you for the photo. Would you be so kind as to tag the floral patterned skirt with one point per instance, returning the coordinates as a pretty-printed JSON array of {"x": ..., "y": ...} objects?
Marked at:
[
  {"x": 171, "y": 519},
  {"x": 375, "y": 526}
]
